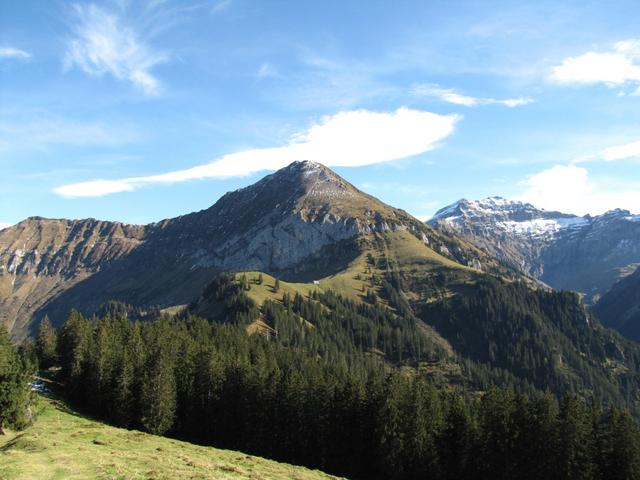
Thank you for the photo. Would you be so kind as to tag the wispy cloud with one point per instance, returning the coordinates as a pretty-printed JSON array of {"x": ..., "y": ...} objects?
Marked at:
[
  {"x": 352, "y": 138},
  {"x": 267, "y": 70},
  {"x": 103, "y": 43},
  {"x": 618, "y": 66},
  {"x": 569, "y": 188},
  {"x": 614, "y": 153},
  {"x": 14, "y": 53},
  {"x": 451, "y": 95},
  {"x": 221, "y": 6},
  {"x": 47, "y": 131},
  {"x": 4, "y": 225},
  {"x": 621, "y": 152}
]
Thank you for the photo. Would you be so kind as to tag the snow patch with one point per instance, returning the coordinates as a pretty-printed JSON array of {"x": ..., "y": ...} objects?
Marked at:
[{"x": 542, "y": 226}]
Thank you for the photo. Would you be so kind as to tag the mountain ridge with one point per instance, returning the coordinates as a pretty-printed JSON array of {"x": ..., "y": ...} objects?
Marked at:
[
  {"x": 587, "y": 254},
  {"x": 299, "y": 222}
]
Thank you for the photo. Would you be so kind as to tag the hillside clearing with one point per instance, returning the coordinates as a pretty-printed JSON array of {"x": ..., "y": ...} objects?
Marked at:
[{"x": 65, "y": 445}]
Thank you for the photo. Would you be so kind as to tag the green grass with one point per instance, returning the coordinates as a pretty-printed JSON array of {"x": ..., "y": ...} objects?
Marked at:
[
  {"x": 62, "y": 444},
  {"x": 401, "y": 248}
]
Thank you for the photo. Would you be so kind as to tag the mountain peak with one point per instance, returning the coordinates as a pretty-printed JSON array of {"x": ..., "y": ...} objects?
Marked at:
[
  {"x": 495, "y": 209},
  {"x": 306, "y": 189}
]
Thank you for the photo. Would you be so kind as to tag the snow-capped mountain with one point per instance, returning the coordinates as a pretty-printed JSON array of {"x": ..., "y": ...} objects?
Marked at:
[{"x": 587, "y": 254}]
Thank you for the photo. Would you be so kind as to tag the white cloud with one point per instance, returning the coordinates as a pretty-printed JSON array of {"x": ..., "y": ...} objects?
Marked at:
[
  {"x": 104, "y": 44},
  {"x": 615, "y": 67},
  {"x": 346, "y": 139},
  {"x": 450, "y": 95},
  {"x": 569, "y": 189},
  {"x": 4, "y": 225},
  {"x": 621, "y": 152},
  {"x": 614, "y": 153},
  {"x": 16, "y": 53}
]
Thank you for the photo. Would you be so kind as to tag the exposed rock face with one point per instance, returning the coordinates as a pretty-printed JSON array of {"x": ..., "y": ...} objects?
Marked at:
[
  {"x": 283, "y": 222},
  {"x": 586, "y": 254},
  {"x": 41, "y": 257},
  {"x": 620, "y": 307}
]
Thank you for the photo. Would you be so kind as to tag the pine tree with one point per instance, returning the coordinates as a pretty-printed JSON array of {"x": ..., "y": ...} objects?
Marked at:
[
  {"x": 276, "y": 286},
  {"x": 46, "y": 344},
  {"x": 457, "y": 441},
  {"x": 158, "y": 393},
  {"x": 74, "y": 347},
  {"x": 123, "y": 393},
  {"x": 14, "y": 385},
  {"x": 575, "y": 440}
]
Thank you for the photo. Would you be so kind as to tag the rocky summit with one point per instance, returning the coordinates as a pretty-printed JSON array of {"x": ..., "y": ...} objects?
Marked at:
[{"x": 587, "y": 254}]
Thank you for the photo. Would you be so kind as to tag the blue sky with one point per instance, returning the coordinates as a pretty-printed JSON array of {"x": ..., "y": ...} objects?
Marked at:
[{"x": 138, "y": 111}]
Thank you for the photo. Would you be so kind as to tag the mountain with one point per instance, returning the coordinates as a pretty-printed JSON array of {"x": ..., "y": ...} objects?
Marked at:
[
  {"x": 303, "y": 222},
  {"x": 586, "y": 254},
  {"x": 329, "y": 273},
  {"x": 41, "y": 258},
  {"x": 619, "y": 308}
]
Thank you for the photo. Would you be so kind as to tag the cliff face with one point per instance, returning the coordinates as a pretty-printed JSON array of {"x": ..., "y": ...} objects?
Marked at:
[
  {"x": 281, "y": 225},
  {"x": 40, "y": 258}
]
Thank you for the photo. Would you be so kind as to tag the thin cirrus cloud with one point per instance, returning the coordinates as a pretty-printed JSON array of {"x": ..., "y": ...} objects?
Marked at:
[
  {"x": 616, "y": 67},
  {"x": 346, "y": 139},
  {"x": 103, "y": 43},
  {"x": 450, "y": 95},
  {"x": 4, "y": 225},
  {"x": 621, "y": 152},
  {"x": 614, "y": 153},
  {"x": 48, "y": 131},
  {"x": 14, "y": 53},
  {"x": 570, "y": 189}
]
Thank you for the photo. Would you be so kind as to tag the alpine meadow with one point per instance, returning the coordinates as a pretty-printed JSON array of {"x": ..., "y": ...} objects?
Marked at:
[{"x": 313, "y": 240}]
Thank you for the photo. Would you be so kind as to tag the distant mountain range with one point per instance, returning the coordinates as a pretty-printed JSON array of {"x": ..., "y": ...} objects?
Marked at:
[{"x": 567, "y": 252}]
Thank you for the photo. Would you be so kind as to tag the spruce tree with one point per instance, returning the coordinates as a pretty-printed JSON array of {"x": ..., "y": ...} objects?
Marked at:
[
  {"x": 46, "y": 344},
  {"x": 158, "y": 393},
  {"x": 15, "y": 393}
]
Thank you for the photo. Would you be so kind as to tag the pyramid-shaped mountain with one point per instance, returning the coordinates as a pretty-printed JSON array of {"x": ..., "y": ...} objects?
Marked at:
[{"x": 302, "y": 222}]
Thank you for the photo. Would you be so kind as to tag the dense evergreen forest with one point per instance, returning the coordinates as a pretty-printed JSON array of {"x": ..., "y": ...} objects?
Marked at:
[
  {"x": 336, "y": 385},
  {"x": 545, "y": 340},
  {"x": 16, "y": 371}
]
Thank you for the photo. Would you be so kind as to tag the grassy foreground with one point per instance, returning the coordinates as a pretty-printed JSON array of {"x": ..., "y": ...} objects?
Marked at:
[{"x": 65, "y": 445}]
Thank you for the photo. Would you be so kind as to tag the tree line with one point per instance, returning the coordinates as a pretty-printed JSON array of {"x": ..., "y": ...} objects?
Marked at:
[{"x": 314, "y": 396}]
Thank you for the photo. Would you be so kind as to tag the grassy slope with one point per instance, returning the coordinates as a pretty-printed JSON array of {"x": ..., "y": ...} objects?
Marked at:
[
  {"x": 65, "y": 445},
  {"x": 405, "y": 250}
]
